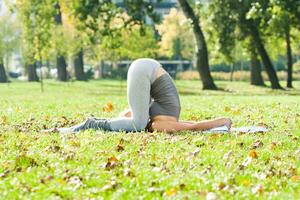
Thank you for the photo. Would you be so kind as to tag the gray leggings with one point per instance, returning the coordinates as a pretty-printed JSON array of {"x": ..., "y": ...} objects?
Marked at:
[{"x": 140, "y": 76}]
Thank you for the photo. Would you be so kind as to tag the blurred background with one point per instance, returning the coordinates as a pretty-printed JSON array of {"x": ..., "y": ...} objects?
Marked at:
[{"x": 255, "y": 41}]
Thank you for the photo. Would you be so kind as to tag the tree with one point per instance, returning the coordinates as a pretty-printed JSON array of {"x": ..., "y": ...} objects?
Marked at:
[
  {"x": 61, "y": 64},
  {"x": 79, "y": 66},
  {"x": 110, "y": 33},
  {"x": 255, "y": 75},
  {"x": 177, "y": 39},
  {"x": 9, "y": 34},
  {"x": 283, "y": 16},
  {"x": 247, "y": 18},
  {"x": 202, "y": 61},
  {"x": 35, "y": 17},
  {"x": 32, "y": 74}
]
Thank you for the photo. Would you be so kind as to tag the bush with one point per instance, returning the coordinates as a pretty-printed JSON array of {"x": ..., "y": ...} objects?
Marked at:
[{"x": 237, "y": 76}]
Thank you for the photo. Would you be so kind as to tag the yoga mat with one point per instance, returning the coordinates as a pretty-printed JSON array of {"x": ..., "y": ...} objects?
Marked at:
[{"x": 242, "y": 129}]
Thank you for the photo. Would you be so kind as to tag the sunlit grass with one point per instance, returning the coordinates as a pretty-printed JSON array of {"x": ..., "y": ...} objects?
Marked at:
[{"x": 147, "y": 165}]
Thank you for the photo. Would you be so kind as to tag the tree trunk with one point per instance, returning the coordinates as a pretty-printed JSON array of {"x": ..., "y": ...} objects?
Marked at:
[
  {"x": 289, "y": 59},
  {"x": 255, "y": 73},
  {"x": 60, "y": 59},
  {"x": 61, "y": 69},
  {"x": 3, "y": 76},
  {"x": 201, "y": 52},
  {"x": 32, "y": 75},
  {"x": 265, "y": 58},
  {"x": 79, "y": 66}
]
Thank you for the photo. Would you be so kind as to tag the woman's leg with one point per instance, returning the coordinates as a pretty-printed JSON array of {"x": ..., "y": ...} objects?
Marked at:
[{"x": 141, "y": 75}]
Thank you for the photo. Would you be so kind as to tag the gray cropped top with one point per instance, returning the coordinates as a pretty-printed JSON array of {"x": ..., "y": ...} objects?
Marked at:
[{"x": 165, "y": 97}]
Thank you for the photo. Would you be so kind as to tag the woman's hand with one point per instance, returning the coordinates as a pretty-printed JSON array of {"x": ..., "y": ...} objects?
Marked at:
[
  {"x": 125, "y": 113},
  {"x": 227, "y": 122}
]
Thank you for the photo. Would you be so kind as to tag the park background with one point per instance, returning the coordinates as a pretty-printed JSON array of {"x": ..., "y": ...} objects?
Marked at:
[{"x": 62, "y": 61}]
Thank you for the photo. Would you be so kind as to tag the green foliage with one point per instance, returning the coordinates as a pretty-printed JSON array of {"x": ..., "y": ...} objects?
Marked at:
[
  {"x": 177, "y": 39},
  {"x": 37, "y": 22},
  {"x": 96, "y": 164},
  {"x": 9, "y": 36},
  {"x": 297, "y": 66}
]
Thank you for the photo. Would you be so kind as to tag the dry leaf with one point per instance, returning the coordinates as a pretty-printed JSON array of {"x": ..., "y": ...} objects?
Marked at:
[
  {"x": 119, "y": 148},
  {"x": 196, "y": 152},
  {"x": 47, "y": 178},
  {"x": 227, "y": 155},
  {"x": 258, "y": 189},
  {"x": 112, "y": 185},
  {"x": 246, "y": 162},
  {"x": 4, "y": 174},
  {"x": 108, "y": 107},
  {"x": 273, "y": 145},
  {"x": 295, "y": 178},
  {"x": 227, "y": 109},
  {"x": 3, "y": 120},
  {"x": 111, "y": 162},
  {"x": 253, "y": 154},
  {"x": 292, "y": 171},
  {"x": 236, "y": 112},
  {"x": 221, "y": 186},
  {"x": 257, "y": 144},
  {"x": 171, "y": 192},
  {"x": 246, "y": 182},
  {"x": 128, "y": 172}
]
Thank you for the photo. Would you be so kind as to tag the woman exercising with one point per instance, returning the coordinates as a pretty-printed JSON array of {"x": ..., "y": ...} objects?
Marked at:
[{"x": 154, "y": 105}]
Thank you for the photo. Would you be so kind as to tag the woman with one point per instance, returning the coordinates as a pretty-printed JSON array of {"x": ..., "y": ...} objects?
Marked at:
[{"x": 154, "y": 104}]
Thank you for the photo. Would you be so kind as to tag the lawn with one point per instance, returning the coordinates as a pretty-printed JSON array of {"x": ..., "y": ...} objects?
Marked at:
[{"x": 186, "y": 165}]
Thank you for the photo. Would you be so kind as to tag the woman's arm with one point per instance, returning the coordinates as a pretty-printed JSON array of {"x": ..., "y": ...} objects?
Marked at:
[{"x": 172, "y": 126}]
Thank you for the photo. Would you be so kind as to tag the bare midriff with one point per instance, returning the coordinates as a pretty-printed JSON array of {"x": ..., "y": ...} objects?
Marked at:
[
  {"x": 163, "y": 118},
  {"x": 159, "y": 72}
]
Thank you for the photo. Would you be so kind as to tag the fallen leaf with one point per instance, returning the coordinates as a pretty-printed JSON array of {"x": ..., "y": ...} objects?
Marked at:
[
  {"x": 128, "y": 172},
  {"x": 236, "y": 112},
  {"x": 257, "y": 144},
  {"x": 292, "y": 171},
  {"x": 246, "y": 162},
  {"x": 47, "y": 178},
  {"x": 246, "y": 182},
  {"x": 112, "y": 185},
  {"x": 119, "y": 148},
  {"x": 227, "y": 155},
  {"x": 196, "y": 152},
  {"x": 258, "y": 189},
  {"x": 262, "y": 124},
  {"x": 108, "y": 107},
  {"x": 193, "y": 117},
  {"x": 221, "y": 186},
  {"x": 111, "y": 162},
  {"x": 171, "y": 192},
  {"x": 227, "y": 109},
  {"x": 253, "y": 154},
  {"x": 3, "y": 120},
  {"x": 295, "y": 178},
  {"x": 182, "y": 186},
  {"x": 273, "y": 145},
  {"x": 4, "y": 174}
]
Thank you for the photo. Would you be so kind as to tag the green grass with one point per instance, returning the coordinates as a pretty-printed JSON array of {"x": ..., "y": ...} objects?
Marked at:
[{"x": 36, "y": 165}]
